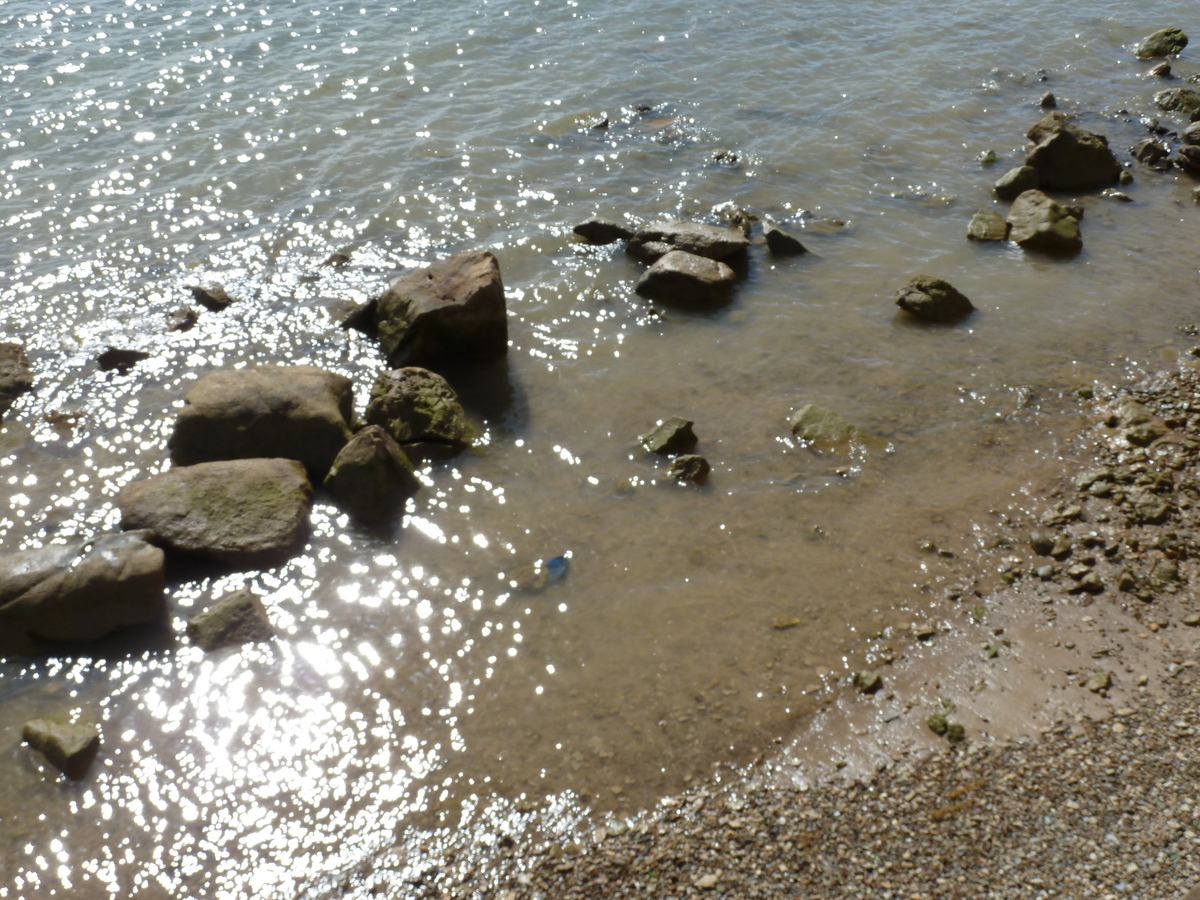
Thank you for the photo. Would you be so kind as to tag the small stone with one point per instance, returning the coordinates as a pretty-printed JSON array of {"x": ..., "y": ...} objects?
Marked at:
[
  {"x": 938, "y": 724},
  {"x": 689, "y": 467},
  {"x": 121, "y": 360},
  {"x": 1162, "y": 70},
  {"x": 69, "y": 746},
  {"x": 602, "y": 231},
  {"x": 933, "y": 300},
  {"x": 1119, "y": 196},
  {"x": 987, "y": 158},
  {"x": 1048, "y": 101},
  {"x": 1015, "y": 182},
  {"x": 182, "y": 319},
  {"x": 955, "y": 733},
  {"x": 337, "y": 259},
  {"x": 212, "y": 297},
  {"x": 1044, "y": 572},
  {"x": 673, "y": 435},
  {"x": 987, "y": 225},
  {"x": 1192, "y": 620},
  {"x": 823, "y": 428},
  {"x": 780, "y": 243},
  {"x": 866, "y": 681},
  {"x": 783, "y": 622},
  {"x": 1100, "y": 681},
  {"x": 1125, "y": 178},
  {"x": 1041, "y": 543},
  {"x": 1125, "y": 581},
  {"x": 237, "y": 618},
  {"x": 706, "y": 882},
  {"x": 925, "y": 632}
]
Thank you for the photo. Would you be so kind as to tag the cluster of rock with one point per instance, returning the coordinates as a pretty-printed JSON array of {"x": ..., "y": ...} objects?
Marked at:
[{"x": 675, "y": 438}]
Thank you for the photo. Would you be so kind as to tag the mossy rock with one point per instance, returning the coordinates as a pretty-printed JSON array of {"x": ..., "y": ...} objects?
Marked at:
[{"x": 415, "y": 405}]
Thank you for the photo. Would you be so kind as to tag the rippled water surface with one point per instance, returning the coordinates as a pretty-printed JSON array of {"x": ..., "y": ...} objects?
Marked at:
[{"x": 149, "y": 146}]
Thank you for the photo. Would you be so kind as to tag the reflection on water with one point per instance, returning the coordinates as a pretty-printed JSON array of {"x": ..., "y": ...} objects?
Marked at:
[{"x": 426, "y": 676}]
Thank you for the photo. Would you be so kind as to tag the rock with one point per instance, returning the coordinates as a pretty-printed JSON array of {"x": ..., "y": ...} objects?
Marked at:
[
  {"x": 212, "y": 297},
  {"x": 603, "y": 231},
  {"x": 290, "y": 412},
  {"x": 1164, "y": 42},
  {"x": 1180, "y": 100},
  {"x": 69, "y": 746},
  {"x": 955, "y": 733},
  {"x": 987, "y": 225},
  {"x": 987, "y": 157},
  {"x": 361, "y": 317},
  {"x": 933, "y": 300},
  {"x": 670, "y": 436},
  {"x": 1192, "y": 620},
  {"x": 246, "y": 513},
  {"x": 823, "y": 428},
  {"x": 937, "y": 724},
  {"x": 780, "y": 243},
  {"x": 1162, "y": 70},
  {"x": 237, "y": 618},
  {"x": 372, "y": 478},
  {"x": 450, "y": 312},
  {"x": 1038, "y": 223},
  {"x": 1119, "y": 196},
  {"x": 182, "y": 319},
  {"x": 1139, "y": 426},
  {"x": 1041, "y": 543},
  {"x": 1147, "y": 507},
  {"x": 1150, "y": 152},
  {"x": 1126, "y": 581},
  {"x": 735, "y": 216},
  {"x": 1100, "y": 681},
  {"x": 121, "y": 360},
  {"x": 16, "y": 378},
  {"x": 1015, "y": 182},
  {"x": 709, "y": 241},
  {"x": 1191, "y": 134},
  {"x": 1125, "y": 178},
  {"x": 725, "y": 157},
  {"x": 337, "y": 259},
  {"x": 1048, "y": 101},
  {"x": 1189, "y": 159},
  {"x": 416, "y": 405},
  {"x": 867, "y": 682},
  {"x": 689, "y": 467},
  {"x": 1067, "y": 158},
  {"x": 687, "y": 280},
  {"x": 79, "y": 591}
]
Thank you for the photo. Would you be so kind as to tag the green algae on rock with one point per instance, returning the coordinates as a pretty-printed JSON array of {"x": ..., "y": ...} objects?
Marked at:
[
  {"x": 416, "y": 405},
  {"x": 372, "y": 477},
  {"x": 1164, "y": 42}
]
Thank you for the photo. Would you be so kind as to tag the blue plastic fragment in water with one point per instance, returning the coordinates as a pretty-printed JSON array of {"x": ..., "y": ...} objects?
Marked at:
[{"x": 556, "y": 568}]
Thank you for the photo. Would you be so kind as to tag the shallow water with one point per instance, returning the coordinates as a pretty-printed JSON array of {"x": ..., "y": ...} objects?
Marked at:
[{"x": 148, "y": 147}]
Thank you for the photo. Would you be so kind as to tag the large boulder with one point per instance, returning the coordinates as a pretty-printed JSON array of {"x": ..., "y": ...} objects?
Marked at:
[
  {"x": 933, "y": 300},
  {"x": 1015, "y": 182},
  {"x": 246, "y": 513},
  {"x": 69, "y": 746},
  {"x": 237, "y": 618},
  {"x": 687, "y": 280},
  {"x": 372, "y": 478},
  {"x": 1164, "y": 42},
  {"x": 291, "y": 412},
  {"x": 1038, "y": 223},
  {"x": 710, "y": 241},
  {"x": 450, "y": 312},
  {"x": 415, "y": 405},
  {"x": 79, "y": 591},
  {"x": 1180, "y": 100},
  {"x": 1067, "y": 158},
  {"x": 15, "y": 375}
]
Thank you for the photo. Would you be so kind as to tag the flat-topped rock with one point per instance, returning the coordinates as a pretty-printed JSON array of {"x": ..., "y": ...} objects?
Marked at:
[
  {"x": 246, "y": 513},
  {"x": 709, "y": 241},
  {"x": 1038, "y": 223},
  {"x": 451, "y": 312},
  {"x": 603, "y": 231},
  {"x": 987, "y": 225},
  {"x": 687, "y": 280},
  {"x": 69, "y": 746},
  {"x": 237, "y": 618},
  {"x": 289, "y": 412}
]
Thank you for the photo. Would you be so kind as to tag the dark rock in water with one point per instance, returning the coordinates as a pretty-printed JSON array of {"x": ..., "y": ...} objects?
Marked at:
[
  {"x": 1180, "y": 100},
  {"x": 1015, "y": 182},
  {"x": 372, "y": 478},
  {"x": 416, "y": 405},
  {"x": 1111, "y": 194},
  {"x": 1188, "y": 159},
  {"x": 212, "y": 297},
  {"x": 987, "y": 225},
  {"x": 236, "y": 619},
  {"x": 603, "y": 231},
  {"x": 686, "y": 279},
  {"x": 724, "y": 157},
  {"x": 1138, "y": 425},
  {"x": 69, "y": 746},
  {"x": 600, "y": 124},
  {"x": 1164, "y": 42},
  {"x": 1150, "y": 152},
  {"x": 823, "y": 428},
  {"x": 1038, "y": 223},
  {"x": 361, "y": 317},
  {"x": 780, "y": 243},
  {"x": 293, "y": 412},
  {"x": 121, "y": 360},
  {"x": 1126, "y": 178},
  {"x": 1067, "y": 158},
  {"x": 16, "y": 378},
  {"x": 245, "y": 513},
  {"x": 182, "y": 319},
  {"x": 1048, "y": 101},
  {"x": 709, "y": 241},
  {"x": 1191, "y": 134},
  {"x": 79, "y": 591},
  {"x": 867, "y": 682},
  {"x": 650, "y": 251},
  {"x": 933, "y": 300},
  {"x": 1162, "y": 70},
  {"x": 337, "y": 259},
  {"x": 450, "y": 312},
  {"x": 673, "y": 435},
  {"x": 735, "y": 216},
  {"x": 689, "y": 467}
]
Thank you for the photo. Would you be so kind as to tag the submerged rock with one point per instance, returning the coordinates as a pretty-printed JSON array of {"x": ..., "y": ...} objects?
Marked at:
[
  {"x": 1015, "y": 182},
  {"x": 212, "y": 297},
  {"x": 1038, "y": 223},
  {"x": 1068, "y": 158},
  {"x": 372, "y": 478},
  {"x": 689, "y": 467},
  {"x": 416, "y": 405},
  {"x": 69, "y": 746},
  {"x": 121, "y": 360},
  {"x": 673, "y": 435},
  {"x": 361, "y": 317},
  {"x": 290, "y": 412},
  {"x": 687, "y": 280},
  {"x": 237, "y": 618},
  {"x": 1181, "y": 100},
  {"x": 603, "y": 231},
  {"x": 1164, "y": 42},
  {"x": 987, "y": 225},
  {"x": 1150, "y": 152},
  {"x": 933, "y": 300},
  {"x": 245, "y": 513},
  {"x": 182, "y": 319},
  {"x": 823, "y": 428},
  {"x": 709, "y": 241},
  {"x": 780, "y": 243},
  {"x": 16, "y": 378},
  {"x": 450, "y": 312},
  {"x": 79, "y": 591}
]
